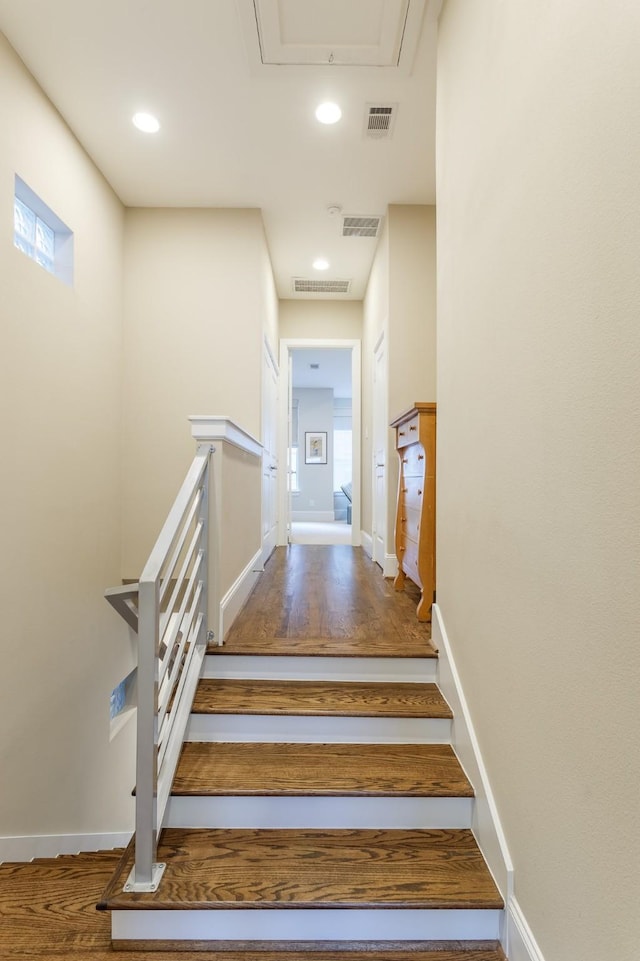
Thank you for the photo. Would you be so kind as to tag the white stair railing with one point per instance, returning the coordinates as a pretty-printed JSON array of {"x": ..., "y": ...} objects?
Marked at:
[{"x": 171, "y": 620}]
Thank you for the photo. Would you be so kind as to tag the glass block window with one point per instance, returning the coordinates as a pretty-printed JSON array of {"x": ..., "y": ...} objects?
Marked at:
[
  {"x": 31, "y": 235},
  {"x": 40, "y": 234}
]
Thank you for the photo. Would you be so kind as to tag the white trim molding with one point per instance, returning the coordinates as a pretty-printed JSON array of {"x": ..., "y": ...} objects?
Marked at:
[
  {"x": 51, "y": 845},
  {"x": 234, "y": 600},
  {"x": 486, "y": 823},
  {"x": 521, "y": 944},
  {"x": 209, "y": 428},
  {"x": 367, "y": 543},
  {"x": 390, "y": 568}
]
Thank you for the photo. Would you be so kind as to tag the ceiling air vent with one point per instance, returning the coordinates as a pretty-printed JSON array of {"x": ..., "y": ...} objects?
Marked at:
[
  {"x": 361, "y": 226},
  {"x": 379, "y": 120},
  {"x": 302, "y": 286}
]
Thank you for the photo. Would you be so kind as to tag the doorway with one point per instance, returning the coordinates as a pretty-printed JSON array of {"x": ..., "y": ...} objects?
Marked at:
[{"x": 320, "y": 431}]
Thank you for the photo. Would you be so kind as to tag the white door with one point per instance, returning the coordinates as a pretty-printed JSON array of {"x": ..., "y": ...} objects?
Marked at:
[
  {"x": 379, "y": 500},
  {"x": 269, "y": 455}
]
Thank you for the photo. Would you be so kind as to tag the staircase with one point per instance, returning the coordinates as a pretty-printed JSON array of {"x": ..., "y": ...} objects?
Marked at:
[{"x": 317, "y": 806}]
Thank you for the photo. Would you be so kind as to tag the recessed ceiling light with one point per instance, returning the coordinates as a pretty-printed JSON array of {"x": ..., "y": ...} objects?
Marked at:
[
  {"x": 146, "y": 122},
  {"x": 320, "y": 264},
  {"x": 328, "y": 113}
]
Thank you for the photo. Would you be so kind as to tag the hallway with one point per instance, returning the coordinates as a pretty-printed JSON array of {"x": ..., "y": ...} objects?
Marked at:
[{"x": 328, "y": 599}]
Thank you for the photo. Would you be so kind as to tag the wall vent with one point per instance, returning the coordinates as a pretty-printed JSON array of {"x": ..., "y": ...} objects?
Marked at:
[
  {"x": 361, "y": 226},
  {"x": 303, "y": 286},
  {"x": 379, "y": 120}
]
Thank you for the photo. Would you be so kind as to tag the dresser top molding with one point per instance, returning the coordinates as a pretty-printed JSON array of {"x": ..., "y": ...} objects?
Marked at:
[{"x": 419, "y": 407}]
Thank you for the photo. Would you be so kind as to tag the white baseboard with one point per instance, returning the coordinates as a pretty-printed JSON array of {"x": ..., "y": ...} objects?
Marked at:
[
  {"x": 486, "y": 823},
  {"x": 521, "y": 944},
  {"x": 367, "y": 543},
  {"x": 320, "y": 516},
  {"x": 233, "y": 601},
  {"x": 51, "y": 845},
  {"x": 390, "y": 568}
]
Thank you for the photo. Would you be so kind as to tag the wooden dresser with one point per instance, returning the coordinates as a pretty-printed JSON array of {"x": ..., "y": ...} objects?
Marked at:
[{"x": 416, "y": 511}]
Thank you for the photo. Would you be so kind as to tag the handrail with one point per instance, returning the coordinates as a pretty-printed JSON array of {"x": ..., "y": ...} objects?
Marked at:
[
  {"x": 172, "y": 618},
  {"x": 124, "y": 600}
]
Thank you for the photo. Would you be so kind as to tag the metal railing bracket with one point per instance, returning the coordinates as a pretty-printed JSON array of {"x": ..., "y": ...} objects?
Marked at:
[{"x": 157, "y": 870}]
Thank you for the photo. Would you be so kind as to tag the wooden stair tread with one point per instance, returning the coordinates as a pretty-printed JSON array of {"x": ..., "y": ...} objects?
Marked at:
[
  {"x": 315, "y": 698},
  {"x": 48, "y": 911},
  {"x": 346, "y": 869},
  {"x": 373, "y": 770},
  {"x": 308, "y": 951},
  {"x": 338, "y": 646}
]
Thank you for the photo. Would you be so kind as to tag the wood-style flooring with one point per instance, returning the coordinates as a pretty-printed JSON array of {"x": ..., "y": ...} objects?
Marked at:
[
  {"x": 48, "y": 913},
  {"x": 319, "y": 698},
  {"x": 311, "y": 601},
  {"x": 217, "y": 869},
  {"x": 320, "y": 770},
  {"x": 327, "y": 600}
]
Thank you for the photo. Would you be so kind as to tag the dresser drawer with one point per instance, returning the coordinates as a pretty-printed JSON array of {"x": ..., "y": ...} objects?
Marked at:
[
  {"x": 408, "y": 433},
  {"x": 413, "y": 461},
  {"x": 412, "y": 492},
  {"x": 410, "y": 521},
  {"x": 410, "y": 561}
]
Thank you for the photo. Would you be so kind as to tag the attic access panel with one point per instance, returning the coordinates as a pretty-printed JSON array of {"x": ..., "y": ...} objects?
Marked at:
[{"x": 362, "y": 33}]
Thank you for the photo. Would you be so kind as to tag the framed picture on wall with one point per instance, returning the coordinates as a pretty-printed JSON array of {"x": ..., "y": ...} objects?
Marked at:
[{"x": 315, "y": 447}]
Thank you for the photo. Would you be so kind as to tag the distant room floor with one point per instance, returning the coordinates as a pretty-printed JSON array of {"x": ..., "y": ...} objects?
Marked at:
[{"x": 320, "y": 532}]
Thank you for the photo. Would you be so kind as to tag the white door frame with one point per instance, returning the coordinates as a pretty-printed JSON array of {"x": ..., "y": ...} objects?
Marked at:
[
  {"x": 379, "y": 410},
  {"x": 287, "y": 344},
  {"x": 269, "y": 452}
]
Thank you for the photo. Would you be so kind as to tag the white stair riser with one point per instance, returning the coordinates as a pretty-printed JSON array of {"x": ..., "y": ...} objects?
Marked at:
[
  {"x": 322, "y": 668},
  {"x": 319, "y": 812},
  {"x": 318, "y": 729},
  {"x": 326, "y": 924}
]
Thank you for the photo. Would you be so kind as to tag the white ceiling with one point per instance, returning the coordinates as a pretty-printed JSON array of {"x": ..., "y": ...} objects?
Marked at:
[
  {"x": 333, "y": 371},
  {"x": 237, "y": 133}
]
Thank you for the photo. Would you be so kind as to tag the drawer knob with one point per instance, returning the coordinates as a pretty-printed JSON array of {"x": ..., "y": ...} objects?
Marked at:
[
  {"x": 413, "y": 427},
  {"x": 419, "y": 493},
  {"x": 420, "y": 456}
]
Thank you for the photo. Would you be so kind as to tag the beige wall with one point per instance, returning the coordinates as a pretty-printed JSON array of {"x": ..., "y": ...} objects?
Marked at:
[
  {"x": 401, "y": 304},
  {"x": 539, "y": 405},
  {"x": 412, "y": 306},
  {"x": 321, "y": 319},
  {"x": 412, "y": 325},
  {"x": 375, "y": 324},
  {"x": 63, "y": 649},
  {"x": 198, "y": 301}
]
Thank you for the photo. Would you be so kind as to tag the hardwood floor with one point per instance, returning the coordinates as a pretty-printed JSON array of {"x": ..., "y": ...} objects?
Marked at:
[
  {"x": 318, "y": 698},
  {"x": 327, "y": 600},
  {"x": 217, "y": 869},
  {"x": 48, "y": 912},
  {"x": 348, "y": 770}
]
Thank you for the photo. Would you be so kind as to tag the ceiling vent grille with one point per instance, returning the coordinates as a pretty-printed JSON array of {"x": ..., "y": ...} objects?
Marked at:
[
  {"x": 302, "y": 286},
  {"x": 379, "y": 120},
  {"x": 361, "y": 226}
]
